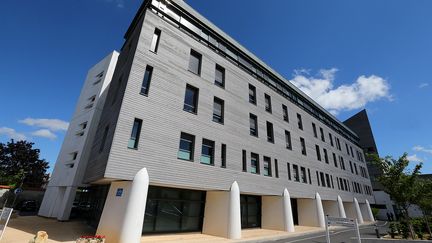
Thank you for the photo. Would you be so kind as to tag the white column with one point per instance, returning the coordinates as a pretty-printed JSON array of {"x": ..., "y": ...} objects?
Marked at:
[
  {"x": 289, "y": 221},
  {"x": 369, "y": 210},
  {"x": 320, "y": 210},
  {"x": 341, "y": 207},
  {"x": 66, "y": 203},
  {"x": 358, "y": 211},
  {"x": 234, "y": 222}
]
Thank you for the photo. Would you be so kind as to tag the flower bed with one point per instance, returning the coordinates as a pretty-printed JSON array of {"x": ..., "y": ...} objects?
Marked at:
[{"x": 91, "y": 239}]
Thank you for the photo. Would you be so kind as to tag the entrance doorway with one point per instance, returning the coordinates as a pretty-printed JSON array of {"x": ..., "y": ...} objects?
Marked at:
[
  {"x": 250, "y": 211},
  {"x": 294, "y": 210}
]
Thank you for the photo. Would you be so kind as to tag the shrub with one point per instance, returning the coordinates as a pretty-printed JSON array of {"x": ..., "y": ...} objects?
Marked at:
[
  {"x": 392, "y": 228},
  {"x": 91, "y": 239}
]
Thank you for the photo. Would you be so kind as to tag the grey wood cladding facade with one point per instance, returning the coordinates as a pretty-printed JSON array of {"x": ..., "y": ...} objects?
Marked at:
[{"x": 164, "y": 119}]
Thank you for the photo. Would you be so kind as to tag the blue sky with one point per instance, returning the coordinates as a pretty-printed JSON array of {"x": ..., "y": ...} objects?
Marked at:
[{"x": 346, "y": 54}]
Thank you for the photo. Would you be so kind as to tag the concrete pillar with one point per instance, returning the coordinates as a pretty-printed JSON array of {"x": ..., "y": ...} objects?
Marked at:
[
  {"x": 222, "y": 215},
  {"x": 320, "y": 211},
  {"x": 66, "y": 203},
  {"x": 341, "y": 207},
  {"x": 277, "y": 213},
  {"x": 122, "y": 218},
  {"x": 289, "y": 221},
  {"x": 358, "y": 211},
  {"x": 367, "y": 211}
]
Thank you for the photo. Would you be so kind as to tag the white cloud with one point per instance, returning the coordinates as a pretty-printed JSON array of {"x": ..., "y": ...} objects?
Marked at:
[
  {"x": 44, "y": 133},
  {"x": 344, "y": 97},
  {"x": 419, "y": 148},
  {"x": 51, "y": 124},
  {"x": 414, "y": 158},
  {"x": 423, "y": 85},
  {"x": 11, "y": 133}
]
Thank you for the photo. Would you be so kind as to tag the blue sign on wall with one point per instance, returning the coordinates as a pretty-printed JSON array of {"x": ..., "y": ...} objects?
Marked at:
[{"x": 119, "y": 192}]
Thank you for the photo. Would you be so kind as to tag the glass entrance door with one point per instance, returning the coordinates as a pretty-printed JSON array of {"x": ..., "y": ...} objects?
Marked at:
[{"x": 250, "y": 211}]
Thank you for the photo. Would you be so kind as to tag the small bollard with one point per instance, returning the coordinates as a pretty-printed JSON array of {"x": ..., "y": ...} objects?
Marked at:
[{"x": 377, "y": 231}]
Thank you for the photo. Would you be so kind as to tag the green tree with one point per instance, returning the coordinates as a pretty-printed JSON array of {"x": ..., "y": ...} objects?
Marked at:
[
  {"x": 20, "y": 163},
  {"x": 399, "y": 182},
  {"x": 424, "y": 201}
]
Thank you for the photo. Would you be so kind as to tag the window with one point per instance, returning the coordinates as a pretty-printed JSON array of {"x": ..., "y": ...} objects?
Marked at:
[
  {"x": 352, "y": 153},
  {"x": 223, "y": 155},
  {"x": 74, "y": 155},
  {"x": 267, "y": 166},
  {"x": 135, "y": 134},
  {"x": 351, "y": 167},
  {"x": 253, "y": 123},
  {"x": 322, "y": 179},
  {"x": 252, "y": 94},
  {"x": 318, "y": 152},
  {"x": 244, "y": 160},
  {"x": 254, "y": 163},
  {"x": 328, "y": 180},
  {"x": 347, "y": 150},
  {"x": 146, "y": 81},
  {"x": 299, "y": 121},
  {"x": 303, "y": 146},
  {"x": 355, "y": 169},
  {"x": 268, "y": 106},
  {"x": 314, "y": 130},
  {"x": 270, "y": 134},
  {"x": 326, "y": 156},
  {"x": 191, "y": 99},
  {"x": 288, "y": 140},
  {"x": 309, "y": 175},
  {"x": 303, "y": 174},
  {"x": 338, "y": 144},
  {"x": 195, "y": 62},
  {"x": 220, "y": 76},
  {"x": 331, "y": 139},
  {"x": 335, "y": 160},
  {"x": 318, "y": 179},
  {"x": 296, "y": 173},
  {"x": 104, "y": 137},
  {"x": 276, "y": 168},
  {"x": 218, "y": 110},
  {"x": 155, "y": 40},
  {"x": 186, "y": 147},
  {"x": 289, "y": 171},
  {"x": 342, "y": 163},
  {"x": 322, "y": 134},
  {"x": 285, "y": 113},
  {"x": 207, "y": 152}
]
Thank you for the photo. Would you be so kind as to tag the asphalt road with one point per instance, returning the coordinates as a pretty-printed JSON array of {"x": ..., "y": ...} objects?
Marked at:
[{"x": 336, "y": 236}]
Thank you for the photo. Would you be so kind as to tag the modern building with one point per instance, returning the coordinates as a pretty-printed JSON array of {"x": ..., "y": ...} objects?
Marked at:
[{"x": 201, "y": 135}]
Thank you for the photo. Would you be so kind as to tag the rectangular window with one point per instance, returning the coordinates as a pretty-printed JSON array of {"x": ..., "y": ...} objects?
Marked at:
[
  {"x": 326, "y": 156},
  {"x": 303, "y": 174},
  {"x": 322, "y": 134},
  {"x": 146, "y": 80},
  {"x": 267, "y": 166},
  {"x": 207, "y": 152},
  {"x": 105, "y": 134},
  {"x": 255, "y": 163},
  {"x": 288, "y": 140},
  {"x": 335, "y": 160},
  {"x": 318, "y": 152},
  {"x": 338, "y": 144},
  {"x": 195, "y": 62},
  {"x": 303, "y": 146},
  {"x": 218, "y": 110},
  {"x": 355, "y": 168},
  {"x": 347, "y": 150},
  {"x": 191, "y": 99},
  {"x": 155, "y": 40},
  {"x": 268, "y": 106},
  {"x": 342, "y": 163},
  {"x": 314, "y": 130},
  {"x": 285, "y": 113},
  {"x": 223, "y": 155},
  {"x": 299, "y": 121},
  {"x": 331, "y": 139},
  {"x": 309, "y": 175},
  {"x": 135, "y": 134},
  {"x": 289, "y": 171},
  {"x": 352, "y": 153},
  {"x": 328, "y": 180},
  {"x": 276, "y": 168},
  {"x": 351, "y": 167},
  {"x": 74, "y": 155},
  {"x": 186, "y": 147},
  {"x": 270, "y": 134},
  {"x": 318, "y": 179},
  {"x": 253, "y": 124},
  {"x": 252, "y": 94},
  {"x": 296, "y": 173},
  {"x": 220, "y": 76},
  {"x": 322, "y": 179},
  {"x": 244, "y": 163}
]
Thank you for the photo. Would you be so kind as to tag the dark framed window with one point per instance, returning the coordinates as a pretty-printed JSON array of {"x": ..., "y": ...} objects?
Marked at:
[
  {"x": 326, "y": 159},
  {"x": 155, "y": 40},
  {"x": 195, "y": 62},
  {"x": 288, "y": 143},
  {"x": 351, "y": 167},
  {"x": 254, "y": 163},
  {"x": 318, "y": 152},
  {"x": 267, "y": 166},
  {"x": 314, "y": 130},
  {"x": 223, "y": 155},
  {"x": 207, "y": 152},
  {"x": 135, "y": 134},
  {"x": 218, "y": 110},
  {"x": 191, "y": 99},
  {"x": 318, "y": 179},
  {"x": 303, "y": 146},
  {"x": 276, "y": 168},
  {"x": 299, "y": 121},
  {"x": 347, "y": 150},
  {"x": 322, "y": 134},
  {"x": 309, "y": 175},
  {"x": 252, "y": 94},
  {"x": 289, "y": 171},
  {"x": 270, "y": 133},
  {"x": 322, "y": 177},
  {"x": 253, "y": 125},
  {"x": 244, "y": 164},
  {"x": 104, "y": 136},
  {"x": 146, "y": 80},
  {"x": 355, "y": 168},
  {"x": 285, "y": 113},
  {"x": 352, "y": 153},
  {"x": 268, "y": 106},
  {"x": 220, "y": 76},
  {"x": 338, "y": 144},
  {"x": 186, "y": 147},
  {"x": 328, "y": 180},
  {"x": 331, "y": 139},
  {"x": 303, "y": 174},
  {"x": 296, "y": 175},
  {"x": 335, "y": 160}
]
